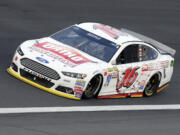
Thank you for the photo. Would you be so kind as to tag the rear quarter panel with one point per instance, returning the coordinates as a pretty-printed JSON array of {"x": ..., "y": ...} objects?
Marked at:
[{"x": 166, "y": 69}]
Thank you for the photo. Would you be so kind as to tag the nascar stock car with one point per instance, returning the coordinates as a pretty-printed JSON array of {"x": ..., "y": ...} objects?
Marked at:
[{"x": 89, "y": 60}]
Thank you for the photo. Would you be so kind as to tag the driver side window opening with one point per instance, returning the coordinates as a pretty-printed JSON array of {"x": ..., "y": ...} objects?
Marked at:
[
  {"x": 136, "y": 53},
  {"x": 128, "y": 55}
]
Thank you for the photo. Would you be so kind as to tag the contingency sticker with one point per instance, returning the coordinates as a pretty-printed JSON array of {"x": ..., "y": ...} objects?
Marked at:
[
  {"x": 78, "y": 88},
  {"x": 155, "y": 66}
]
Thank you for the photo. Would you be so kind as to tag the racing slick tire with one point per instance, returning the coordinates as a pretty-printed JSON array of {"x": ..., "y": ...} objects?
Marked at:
[
  {"x": 152, "y": 86},
  {"x": 93, "y": 87}
]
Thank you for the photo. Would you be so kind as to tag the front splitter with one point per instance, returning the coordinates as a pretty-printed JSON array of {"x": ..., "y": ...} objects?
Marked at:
[{"x": 58, "y": 93}]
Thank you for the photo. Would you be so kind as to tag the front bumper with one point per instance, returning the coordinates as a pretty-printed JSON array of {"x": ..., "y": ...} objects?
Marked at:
[{"x": 58, "y": 93}]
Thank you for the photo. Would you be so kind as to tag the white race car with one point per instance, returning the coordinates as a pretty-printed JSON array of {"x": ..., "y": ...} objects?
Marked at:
[{"x": 94, "y": 60}]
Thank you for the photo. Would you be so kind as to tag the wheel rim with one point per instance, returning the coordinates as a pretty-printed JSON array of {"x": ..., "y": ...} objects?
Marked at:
[
  {"x": 93, "y": 87},
  {"x": 151, "y": 86}
]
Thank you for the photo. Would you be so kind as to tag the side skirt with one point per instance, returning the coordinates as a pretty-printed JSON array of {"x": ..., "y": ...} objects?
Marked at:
[
  {"x": 162, "y": 87},
  {"x": 138, "y": 94}
]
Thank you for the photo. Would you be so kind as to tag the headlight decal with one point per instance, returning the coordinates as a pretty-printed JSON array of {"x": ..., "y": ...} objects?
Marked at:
[
  {"x": 20, "y": 51},
  {"x": 74, "y": 75}
]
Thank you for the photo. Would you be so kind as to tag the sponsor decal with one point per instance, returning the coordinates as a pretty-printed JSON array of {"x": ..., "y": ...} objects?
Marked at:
[
  {"x": 80, "y": 83},
  {"x": 142, "y": 84},
  {"x": 105, "y": 73},
  {"x": 111, "y": 74},
  {"x": 112, "y": 32},
  {"x": 78, "y": 95},
  {"x": 110, "y": 69},
  {"x": 78, "y": 91},
  {"x": 42, "y": 60},
  {"x": 37, "y": 74},
  {"x": 108, "y": 79},
  {"x": 145, "y": 67},
  {"x": 53, "y": 56},
  {"x": 63, "y": 54},
  {"x": 93, "y": 36},
  {"x": 155, "y": 66},
  {"x": 172, "y": 63},
  {"x": 116, "y": 69},
  {"x": 113, "y": 69},
  {"x": 114, "y": 75},
  {"x": 164, "y": 64},
  {"x": 152, "y": 66},
  {"x": 78, "y": 88},
  {"x": 16, "y": 58}
]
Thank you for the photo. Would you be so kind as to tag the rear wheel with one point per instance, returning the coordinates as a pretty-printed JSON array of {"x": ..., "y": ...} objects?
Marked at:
[
  {"x": 152, "y": 86},
  {"x": 93, "y": 87}
]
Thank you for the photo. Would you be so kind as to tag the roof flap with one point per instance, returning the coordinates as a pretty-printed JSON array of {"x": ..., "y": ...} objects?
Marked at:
[{"x": 155, "y": 43}]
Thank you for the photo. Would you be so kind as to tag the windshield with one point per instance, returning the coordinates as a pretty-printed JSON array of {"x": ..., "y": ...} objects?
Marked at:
[{"x": 87, "y": 42}]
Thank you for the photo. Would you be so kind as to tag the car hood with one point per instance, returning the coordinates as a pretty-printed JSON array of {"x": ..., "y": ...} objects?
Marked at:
[{"x": 59, "y": 56}]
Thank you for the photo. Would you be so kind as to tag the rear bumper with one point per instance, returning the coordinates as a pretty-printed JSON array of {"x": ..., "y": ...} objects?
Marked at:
[{"x": 58, "y": 93}]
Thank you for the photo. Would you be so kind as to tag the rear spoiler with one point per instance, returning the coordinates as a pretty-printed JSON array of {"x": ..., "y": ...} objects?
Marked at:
[{"x": 160, "y": 46}]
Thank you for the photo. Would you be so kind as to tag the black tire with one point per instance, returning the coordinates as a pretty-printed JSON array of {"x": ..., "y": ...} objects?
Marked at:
[
  {"x": 152, "y": 86},
  {"x": 93, "y": 87}
]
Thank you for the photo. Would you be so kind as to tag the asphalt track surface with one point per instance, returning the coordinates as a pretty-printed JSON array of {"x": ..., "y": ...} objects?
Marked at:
[
  {"x": 92, "y": 123},
  {"x": 21, "y": 20}
]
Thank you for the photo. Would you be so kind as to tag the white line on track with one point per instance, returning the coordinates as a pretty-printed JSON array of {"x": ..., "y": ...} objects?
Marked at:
[{"x": 88, "y": 108}]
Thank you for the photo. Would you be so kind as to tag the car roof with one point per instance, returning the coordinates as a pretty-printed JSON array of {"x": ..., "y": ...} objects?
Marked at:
[
  {"x": 123, "y": 35},
  {"x": 102, "y": 31}
]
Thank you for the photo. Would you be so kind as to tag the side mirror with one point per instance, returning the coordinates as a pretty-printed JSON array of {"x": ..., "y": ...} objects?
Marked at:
[{"x": 113, "y": 62}]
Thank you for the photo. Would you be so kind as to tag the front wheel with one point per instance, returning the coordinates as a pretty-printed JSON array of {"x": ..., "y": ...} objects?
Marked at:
[
  {"x": 152, "y": 85},
  {"x": 93, "y": 87}
]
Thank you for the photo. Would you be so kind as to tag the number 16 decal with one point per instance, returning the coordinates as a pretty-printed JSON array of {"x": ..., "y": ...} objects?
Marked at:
[{"x": 129, "y": 78}]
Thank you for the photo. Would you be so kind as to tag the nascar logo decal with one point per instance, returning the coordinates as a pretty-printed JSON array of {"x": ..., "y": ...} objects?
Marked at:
[{"x": 65, "y": 52}]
